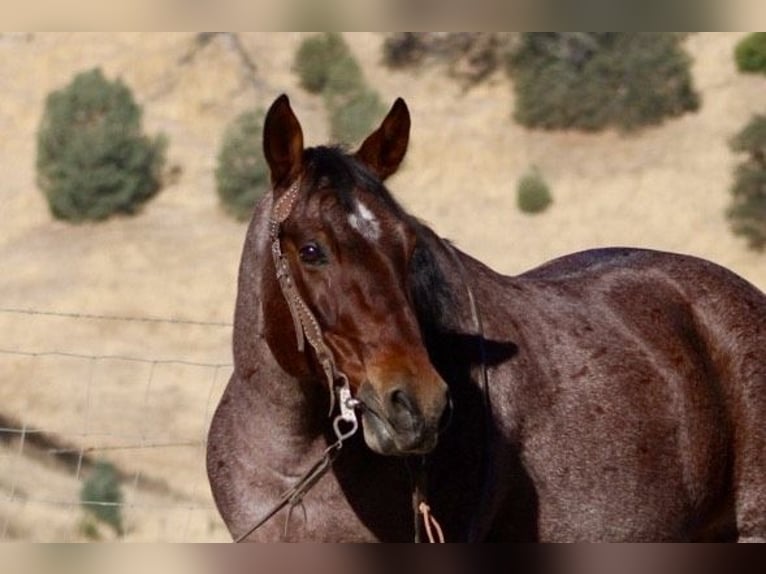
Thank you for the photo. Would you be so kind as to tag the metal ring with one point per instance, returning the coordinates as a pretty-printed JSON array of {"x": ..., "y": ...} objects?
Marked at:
[{"x": 342, "y": 436}]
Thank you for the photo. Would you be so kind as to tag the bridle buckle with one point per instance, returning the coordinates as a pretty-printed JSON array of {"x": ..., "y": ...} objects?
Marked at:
[{"x": 348, "y": 406}]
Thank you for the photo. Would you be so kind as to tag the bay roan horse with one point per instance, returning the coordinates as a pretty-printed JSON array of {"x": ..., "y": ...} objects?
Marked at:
[{"x": 614, "y": 394}]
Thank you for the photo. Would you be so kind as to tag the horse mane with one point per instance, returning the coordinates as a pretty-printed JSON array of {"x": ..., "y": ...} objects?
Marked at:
[{"x": 432, "y": 296}]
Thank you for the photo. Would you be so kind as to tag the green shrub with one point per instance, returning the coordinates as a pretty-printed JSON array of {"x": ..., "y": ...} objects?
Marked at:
[
  {"x": 344, "y": 77},
  {"x": 354, "y": 108},
  {"x": 533, "y": 194},
  {"x": 92, "y": 159},
  {"x": 747, "y": 211},
  {"x": 315, "y": 58},
  {"x": 101, "y": 496},
  {"x": 470, "y": 57},
  {"x": 750, "y": 53},
  {"x": 403, "y": 49},
  {"x": 354, "y": 116},
  {"x": 241, "y": 173},
  {"x": 326, "y": 65},
  {"x": 590, "y": 81}
]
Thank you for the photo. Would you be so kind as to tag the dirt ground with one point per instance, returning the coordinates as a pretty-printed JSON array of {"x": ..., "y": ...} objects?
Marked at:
[{"x": 140, "y": 393}]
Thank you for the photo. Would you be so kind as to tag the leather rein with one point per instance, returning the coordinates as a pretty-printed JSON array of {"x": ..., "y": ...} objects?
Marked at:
[{"x": 345, "y": 424}]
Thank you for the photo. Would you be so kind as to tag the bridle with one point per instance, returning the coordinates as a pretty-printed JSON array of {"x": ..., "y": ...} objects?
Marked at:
[
  {"x": 307, "y": 329},
  {"x": 306, "y": 326}
]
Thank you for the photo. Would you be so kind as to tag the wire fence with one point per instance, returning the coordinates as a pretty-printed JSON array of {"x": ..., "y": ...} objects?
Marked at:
[{"x": 65, "y": 406}]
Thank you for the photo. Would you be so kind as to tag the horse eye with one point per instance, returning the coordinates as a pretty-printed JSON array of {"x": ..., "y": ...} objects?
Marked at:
[{"x": 312, "y": 254}]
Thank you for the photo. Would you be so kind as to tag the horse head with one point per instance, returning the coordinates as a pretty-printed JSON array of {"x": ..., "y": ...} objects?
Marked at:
[{"x": 349, "y": 250}]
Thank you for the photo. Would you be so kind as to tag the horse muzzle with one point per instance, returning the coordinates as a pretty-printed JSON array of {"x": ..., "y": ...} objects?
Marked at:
[{"x": 400, "y": 422}]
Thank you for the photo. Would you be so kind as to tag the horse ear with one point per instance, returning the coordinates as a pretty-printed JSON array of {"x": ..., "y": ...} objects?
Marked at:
[
  {"x": 282, "y": 142},
  {"x": 384, "y": 149}
]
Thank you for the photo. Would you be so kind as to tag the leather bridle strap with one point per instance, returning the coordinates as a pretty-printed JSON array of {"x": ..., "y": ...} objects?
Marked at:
[
  {"x": 306, "y": 326},
  {"x": 294, "y": 496}
]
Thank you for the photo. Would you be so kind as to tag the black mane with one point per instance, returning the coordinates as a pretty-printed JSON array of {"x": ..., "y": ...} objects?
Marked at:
[{"x": 431, "y": 294}]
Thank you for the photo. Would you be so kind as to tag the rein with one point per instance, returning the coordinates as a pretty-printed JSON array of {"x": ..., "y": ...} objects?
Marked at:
[{"x": 307, "y": 329}]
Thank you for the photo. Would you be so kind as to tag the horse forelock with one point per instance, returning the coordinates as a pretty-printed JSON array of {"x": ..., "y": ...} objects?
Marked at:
[{"x": 332, "y": 168}]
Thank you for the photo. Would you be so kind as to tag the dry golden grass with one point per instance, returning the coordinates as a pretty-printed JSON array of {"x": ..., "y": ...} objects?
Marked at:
[{"x": 663, "y": 188}]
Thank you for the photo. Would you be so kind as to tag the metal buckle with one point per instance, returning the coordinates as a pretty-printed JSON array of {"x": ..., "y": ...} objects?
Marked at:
[{"x": 347, "y": 414}]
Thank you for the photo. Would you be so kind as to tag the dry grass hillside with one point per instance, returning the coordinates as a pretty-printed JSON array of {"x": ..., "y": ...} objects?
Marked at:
[{"x": 140, "y": 393}]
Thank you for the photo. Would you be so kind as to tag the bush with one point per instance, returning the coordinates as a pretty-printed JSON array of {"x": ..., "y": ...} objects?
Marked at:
[
  {"x": 469, "y": 56},
  {"x": 241, "y": 174},
  {"x": 533, "y": 194},
  {"x": 344, "y": 77},
  {"x": 750, "y": 53},
  {"x": 354, "y": 116},
  {"x": 92, "y": 159},
  {"x": 103, "y": 486},
  {"x": 326, "y": 65},
  {"x": 315, "y": 59},
  {"x": 592, "y": 81},
  {"x": 403, "y": 49},
  {"x": 747, "y": 212}
]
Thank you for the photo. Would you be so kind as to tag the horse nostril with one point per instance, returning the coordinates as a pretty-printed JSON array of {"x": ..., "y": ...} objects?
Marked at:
[
  {"x": 401, "y": 401},
  {"x": 403, "y": 413},
  {"x": 413, "y": 426}
]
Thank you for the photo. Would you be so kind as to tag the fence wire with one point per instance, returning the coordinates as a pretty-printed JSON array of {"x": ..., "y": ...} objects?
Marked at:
[
  {"x": 152, "y": 439},
  {"x": 118, "y": 318}
]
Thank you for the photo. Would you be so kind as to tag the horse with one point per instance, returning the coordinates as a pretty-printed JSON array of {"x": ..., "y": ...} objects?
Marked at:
[{"x": 615, "y": 394}]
